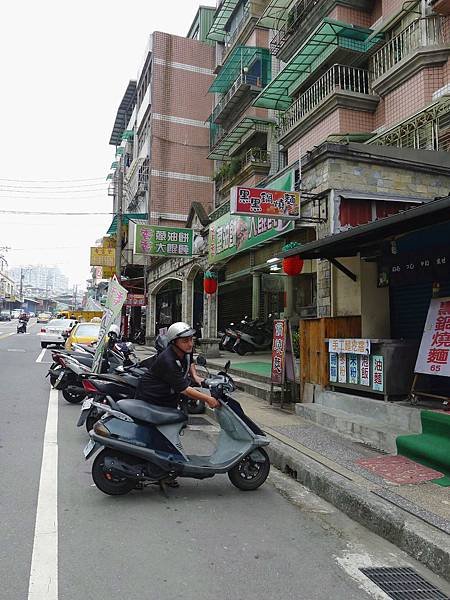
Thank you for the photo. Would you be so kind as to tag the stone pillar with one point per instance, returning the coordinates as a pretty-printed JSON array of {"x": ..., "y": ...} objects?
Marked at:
[
  {"x": 210, "y": 342},
  {"x": 290, "y": 300},
  {"x": 323, "y": 289},
  {"x": 150, "y": 331},
  {"x": 186, "y": 300},
  {"x": 256, "y": 295}
]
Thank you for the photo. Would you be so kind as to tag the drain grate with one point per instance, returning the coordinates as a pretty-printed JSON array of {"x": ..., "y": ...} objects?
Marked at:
[
  {"x": 198, "y": 421},
  {"x": 403, "y": 584}
]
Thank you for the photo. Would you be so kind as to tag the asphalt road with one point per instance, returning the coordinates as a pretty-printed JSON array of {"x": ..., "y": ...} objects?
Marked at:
[{"x": 207, "y": 540}]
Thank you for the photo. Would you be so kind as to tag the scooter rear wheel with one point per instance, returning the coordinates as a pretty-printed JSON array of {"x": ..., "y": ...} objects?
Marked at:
[
  {"x": 248, "y": 474},
  {"x": 73, "y": 397},
  {"x": 106, "y": 482}
]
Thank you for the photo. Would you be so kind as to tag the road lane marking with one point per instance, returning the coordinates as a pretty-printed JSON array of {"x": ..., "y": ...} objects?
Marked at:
[
  {"x": 44, "y": 561},
  {"x": 41, "y": 355},
  {"x": 7, "y": 335}
]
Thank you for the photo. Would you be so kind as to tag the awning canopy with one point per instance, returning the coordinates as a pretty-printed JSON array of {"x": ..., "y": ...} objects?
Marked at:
[
  {"x": 275, "y": 14},
  {"x": 128, "y": 134},
  {"x": 223, "y": 13},
  {"x": 353, "y": 241},
  {"x": 328, "y": 36},
  {"x": 124, "y": 113},
  {"x": 126, "y": 218},
  {"x": 237, "y": 135},
  {"x": 242, "y": 56}
]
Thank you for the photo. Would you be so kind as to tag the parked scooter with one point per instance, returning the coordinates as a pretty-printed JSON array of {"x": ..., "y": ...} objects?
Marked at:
[
  {"x": 140, "y": 445},
  {"x": 22, "y": 326},
  {"x": 257, "y": 336}
]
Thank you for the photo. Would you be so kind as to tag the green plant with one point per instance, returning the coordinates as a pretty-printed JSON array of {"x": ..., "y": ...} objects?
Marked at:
[{"x": 296, "y": 343}]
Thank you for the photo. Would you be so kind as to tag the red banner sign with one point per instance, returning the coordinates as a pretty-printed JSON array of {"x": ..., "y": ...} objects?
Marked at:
[
  {"x": 263, "y": 202},
  {"x": 136, "y": 300},
  {"x": 278, "y": 351}
]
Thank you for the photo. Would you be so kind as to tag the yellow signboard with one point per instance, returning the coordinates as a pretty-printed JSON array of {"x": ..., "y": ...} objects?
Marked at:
[
  {"x": 108, "y": 272},
  {"x": 102, "y": 257}
]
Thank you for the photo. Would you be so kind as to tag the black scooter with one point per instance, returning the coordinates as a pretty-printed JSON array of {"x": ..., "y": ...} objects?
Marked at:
[{"x": 22, "y": 326}]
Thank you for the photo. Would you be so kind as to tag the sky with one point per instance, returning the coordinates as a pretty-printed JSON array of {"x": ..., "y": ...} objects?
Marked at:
[{"x": 64, "y": 70}]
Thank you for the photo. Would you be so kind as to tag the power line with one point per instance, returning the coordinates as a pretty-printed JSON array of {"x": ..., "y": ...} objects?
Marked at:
[
  {"x": 54, "y": 187},
  {"x": 24, "y": 212},
  {"x": 52, "y": 180}
]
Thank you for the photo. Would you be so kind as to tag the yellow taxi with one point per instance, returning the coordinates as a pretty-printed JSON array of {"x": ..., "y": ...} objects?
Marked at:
[{"x": 83, "y": 333}]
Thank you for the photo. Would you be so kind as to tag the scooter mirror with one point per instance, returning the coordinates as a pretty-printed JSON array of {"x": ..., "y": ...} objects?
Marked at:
[
  {"x": 227, "y": 365},
  {"x": 120, "y": 369},
  {"x": 201, "y": 360}
]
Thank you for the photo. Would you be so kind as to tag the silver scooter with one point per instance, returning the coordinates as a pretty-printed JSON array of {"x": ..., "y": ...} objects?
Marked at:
[{"x": 140, "y": 444}]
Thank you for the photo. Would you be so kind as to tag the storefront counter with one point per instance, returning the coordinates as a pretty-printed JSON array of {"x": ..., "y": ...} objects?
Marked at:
[{"x": 379, "y": 367}]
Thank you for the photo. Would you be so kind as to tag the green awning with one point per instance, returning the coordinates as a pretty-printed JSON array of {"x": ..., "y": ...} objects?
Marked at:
[
  {"x": 275, "y": 14},
  {"x": 120, "y": 151},
  {"x": 223, "y": 13},
  {"x": 237, "y": 135},
  {"x": 128, "y": 134},
  {"x": 328, "y": 36},
  {"x": 126, "y": 217},
  {"x": 110, "y": 176},
  {"x": 242, "y": 56},
  {"x": 114, "y": 165}
]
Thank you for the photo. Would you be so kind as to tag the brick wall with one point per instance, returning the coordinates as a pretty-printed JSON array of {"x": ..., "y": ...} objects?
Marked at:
[
  {"x": 390, "y": 7},
  {"x": 169, "y": 195},
  {"x": 341, "y": 120},
  {"x": 351, "y": 15},
  {"x": 410, "y": 97}
]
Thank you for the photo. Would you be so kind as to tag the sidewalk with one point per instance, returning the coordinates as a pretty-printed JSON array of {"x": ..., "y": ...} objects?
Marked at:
[{"x": 415, "y": 517}]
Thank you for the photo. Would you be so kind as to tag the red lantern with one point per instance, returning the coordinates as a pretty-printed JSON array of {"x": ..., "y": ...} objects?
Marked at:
[
  {"x": 293, "y": 265},
  {"x": 210, "y": 283}
]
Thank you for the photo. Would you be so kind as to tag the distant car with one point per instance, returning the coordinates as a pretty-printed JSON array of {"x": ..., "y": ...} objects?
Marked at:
[
  {"x": 83, "y": 333},
  {"x": 53, "y": 332},
  {"x": 44, "y": 317},
  {"x": 15, "y": 313},
  {"x": 5, "y": 315}
]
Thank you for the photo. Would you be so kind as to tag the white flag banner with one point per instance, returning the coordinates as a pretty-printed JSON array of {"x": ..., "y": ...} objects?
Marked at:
[
  {"x": 114, "y": 301},
  {"x": 434, "y": 351}
]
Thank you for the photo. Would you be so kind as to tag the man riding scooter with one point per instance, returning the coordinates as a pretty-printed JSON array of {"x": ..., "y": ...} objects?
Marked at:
[{"x": 168, "y": 376}]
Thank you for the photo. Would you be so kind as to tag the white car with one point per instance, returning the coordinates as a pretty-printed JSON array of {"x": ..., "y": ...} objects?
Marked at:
[{"x": 52, "y": 332}]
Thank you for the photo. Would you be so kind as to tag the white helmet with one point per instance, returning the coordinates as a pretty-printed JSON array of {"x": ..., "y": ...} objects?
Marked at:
[
  {"x": 179, "y": 330},
  {"x": 114, "y": 329}
]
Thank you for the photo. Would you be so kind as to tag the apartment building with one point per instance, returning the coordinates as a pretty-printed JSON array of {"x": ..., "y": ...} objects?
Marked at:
[{"x": 161, "y": 136}]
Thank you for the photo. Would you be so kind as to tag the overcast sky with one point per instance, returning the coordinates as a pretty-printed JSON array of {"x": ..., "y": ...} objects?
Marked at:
[{"x": 64, "y": 69}]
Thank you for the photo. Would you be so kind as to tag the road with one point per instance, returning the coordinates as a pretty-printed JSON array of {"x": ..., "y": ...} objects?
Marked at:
[{"x": 207, "y": 540}]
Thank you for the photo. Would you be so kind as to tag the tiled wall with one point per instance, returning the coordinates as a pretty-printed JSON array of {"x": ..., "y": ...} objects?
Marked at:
[{"x": 350, "y": 15}]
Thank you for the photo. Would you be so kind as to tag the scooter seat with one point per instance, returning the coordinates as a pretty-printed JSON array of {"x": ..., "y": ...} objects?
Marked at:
[{"x": 150, "y": 413}]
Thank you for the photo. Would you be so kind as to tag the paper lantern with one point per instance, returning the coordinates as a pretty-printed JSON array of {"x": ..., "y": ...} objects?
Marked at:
[
  {"x": 210, "y": 282},
  {"x": 293, "y": 265}
]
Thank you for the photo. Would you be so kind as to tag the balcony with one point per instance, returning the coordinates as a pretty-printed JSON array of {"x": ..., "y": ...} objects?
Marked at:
[
  {"x": 296, "y": 23},
  {"x": 350, "y": 82},
  {"x": 239, "y": 168},
  {"x": 251, "y": 12},
  {"x": 421, "y": 35},
  {"x": 245, "y": 87}
]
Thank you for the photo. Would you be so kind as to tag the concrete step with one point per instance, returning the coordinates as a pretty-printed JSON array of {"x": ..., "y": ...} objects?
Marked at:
[
  {"x": 235, "y": 370},
  {"x": 251, "y": 386},
  {"x": 374, "y": 432}
]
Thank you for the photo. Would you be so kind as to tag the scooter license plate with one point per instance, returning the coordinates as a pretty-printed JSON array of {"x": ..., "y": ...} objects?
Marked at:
[
  {"x": 86, "y": 404},
  {"x": 60, "y": 376},
  {"x": 226, "y": 339},
  {"x": 90, "y": 448}
]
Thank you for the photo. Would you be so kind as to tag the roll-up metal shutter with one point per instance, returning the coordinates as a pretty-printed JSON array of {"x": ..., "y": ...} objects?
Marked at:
[{"x": 235, "y": 301}]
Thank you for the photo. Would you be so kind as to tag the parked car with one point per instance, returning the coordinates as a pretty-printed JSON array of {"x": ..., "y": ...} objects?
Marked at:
[
  {"x": 15, "y": 314},
  {"x": 53, "y": 332},
  {"x": 83, "y": 333},
  {"x": 5, "y": 315},
  {"x": 44, "y": 317}
]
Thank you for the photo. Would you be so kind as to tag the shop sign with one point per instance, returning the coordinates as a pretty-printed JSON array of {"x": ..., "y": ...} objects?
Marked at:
[
  {"x": 264, "y": 202},
  {"x": 108, "y": 272},
  {"x": 278, "y": 351},
  {"x": 155, "y": 240},
  {"x": 353, "y": 368},
  {"x": 434, "y": 351},
  {"x": 231, "y": 234},
  {"x": 415, "y": 268},
  {"x": 333, "y": 367},
  {"x": 377, "y": 373},
  {"x": 136, "y": 300},
  {"x": 364, "y": 370},
  {"x": 342, "y": 368},
  {"x": 103, "y": 257},
  {"x": 349, "y": 346}
]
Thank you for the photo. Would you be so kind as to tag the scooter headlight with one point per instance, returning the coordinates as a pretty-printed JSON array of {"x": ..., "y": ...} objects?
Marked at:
[{"x": 101, "y": 430}]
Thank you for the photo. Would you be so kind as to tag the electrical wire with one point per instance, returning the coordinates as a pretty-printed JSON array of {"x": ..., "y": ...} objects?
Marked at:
[{"x": 36, "y": 212}]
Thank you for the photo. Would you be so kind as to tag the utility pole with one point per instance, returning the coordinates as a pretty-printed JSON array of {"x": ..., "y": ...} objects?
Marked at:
[{"x": 119, "y": 222}]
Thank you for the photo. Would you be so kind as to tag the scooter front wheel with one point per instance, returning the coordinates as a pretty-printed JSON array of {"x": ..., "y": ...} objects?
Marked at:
[
  {"x": 249, "y": 474},
  {"x": 106, "y": 482},
  {"x": 73, "y": 397}
]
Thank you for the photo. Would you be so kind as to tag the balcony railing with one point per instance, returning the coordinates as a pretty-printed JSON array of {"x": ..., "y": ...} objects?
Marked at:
[
  {"x": 419, "y": 34},
  {"x": 242, "y": 79},
  {"x": 338, "y": 77},
  {"x": 231, "y": 38},
  {"x": 294, "y": 17},
  {"x": 229, "y": 170}
]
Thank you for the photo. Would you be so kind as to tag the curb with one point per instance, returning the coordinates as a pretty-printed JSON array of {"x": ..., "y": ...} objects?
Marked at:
[{"x": 423, "y": 542}]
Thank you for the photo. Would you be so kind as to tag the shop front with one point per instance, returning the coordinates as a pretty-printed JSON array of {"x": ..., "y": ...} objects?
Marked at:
[{"x": 386, "y": 273}]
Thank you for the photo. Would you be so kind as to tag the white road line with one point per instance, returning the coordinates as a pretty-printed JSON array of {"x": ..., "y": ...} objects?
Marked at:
[
  {"x": 7, "y": 335},
  {"x": 41, "y": 356},
  {"x": 44, "y": 562}
]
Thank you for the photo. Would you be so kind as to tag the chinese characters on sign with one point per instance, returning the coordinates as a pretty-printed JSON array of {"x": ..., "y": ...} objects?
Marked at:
[
  {"x": 377, "y": 373},
  {"x": 434, "y": 351},
  {"x": 136, "y": 300},
  {"x": 342, "y": 368},
  {"x": 364, "y": 370},
  {"x": 102, "y": 257},
  {"x": 333, "y": 367},
  {"x": 154, "y": 240},
  {"x": 278, "y": 351},
  {"x": 353, "y": 368},
  {"x": 349, "y": 346},
  {"x": 263, "y": 202}
]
